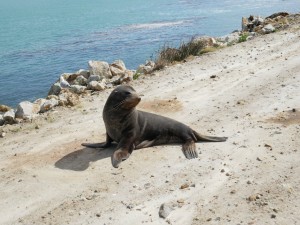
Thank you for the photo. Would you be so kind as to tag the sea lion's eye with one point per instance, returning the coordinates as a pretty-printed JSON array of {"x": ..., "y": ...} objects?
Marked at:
[{"x": 127, "y": 93}]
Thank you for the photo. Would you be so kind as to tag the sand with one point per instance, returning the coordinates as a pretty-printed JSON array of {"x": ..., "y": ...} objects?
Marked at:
[{"x": 249, "y": 92}]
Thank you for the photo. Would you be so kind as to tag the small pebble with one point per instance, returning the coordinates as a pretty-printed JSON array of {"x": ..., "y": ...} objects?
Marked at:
[
  {"x": 232, "y": 191},
  {"x": 273, "y": 216},
  {"x": 184, "y": 186}
]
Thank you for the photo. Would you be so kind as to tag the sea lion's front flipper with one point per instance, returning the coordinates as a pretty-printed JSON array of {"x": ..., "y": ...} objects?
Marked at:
[
  {"x": 189, "y": 149},
  {"x": 119, "y": 156},
  {"x": 124, "y": 150},
  {"x": 105, "y": 144}
]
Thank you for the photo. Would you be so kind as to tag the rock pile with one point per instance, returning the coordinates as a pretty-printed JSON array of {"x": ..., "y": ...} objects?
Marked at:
[
  {"x": 67, "y": 89},
  {"x": 266, "y": 25},
  {"x": 100, "y": 76}
]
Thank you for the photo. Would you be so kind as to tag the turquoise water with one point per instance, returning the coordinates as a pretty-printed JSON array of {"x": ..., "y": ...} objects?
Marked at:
[{"x": 40, "y": 39}]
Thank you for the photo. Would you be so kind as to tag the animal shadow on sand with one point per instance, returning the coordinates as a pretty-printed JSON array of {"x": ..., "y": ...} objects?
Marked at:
[{"x": 81, "y": 159}]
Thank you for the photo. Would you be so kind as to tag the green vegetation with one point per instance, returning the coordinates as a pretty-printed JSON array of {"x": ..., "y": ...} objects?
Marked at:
[
  {"x": 243, "y": 37},
  {"x": 209, "y": 49},
  {"x": 136, "y": 76},
  {"x": 168, "y": 55}
]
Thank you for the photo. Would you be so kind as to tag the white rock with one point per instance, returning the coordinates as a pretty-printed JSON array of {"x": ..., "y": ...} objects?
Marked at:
[
  {"x": 27, "y": 110},
  {"x": 144, "y": 69},
  {"x": 128, "y": 76},
  {"x": 230, "y": 38},
  {"x": 165, "y": 209},
  {"x": 84, "y": 73},
  {"x": 1, "y": 120},
  {"x": 49, "y": 104},
  {"x": 96, "y": 86},
  {"x": 55, "y": 89},
  {"x": 119, "y": 64},
  {"x": 99, "y": 68},
  {"x": 93, "y": 78},
  {"x": 268, "y": 29},
  {"x": 40, "y": 101},
  {"x": 206, "y": 40},
  {"x": 9, "y": 117},
  {"x": 68, "y": 98},
  {"x": 78, "y": 89},
  {"x": 80, "y": 80},
  {"x": 116, "y": 71}
]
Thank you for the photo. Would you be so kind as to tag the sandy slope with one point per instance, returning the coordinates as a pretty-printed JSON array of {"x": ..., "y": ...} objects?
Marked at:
[{"x": 47, "y": 177}]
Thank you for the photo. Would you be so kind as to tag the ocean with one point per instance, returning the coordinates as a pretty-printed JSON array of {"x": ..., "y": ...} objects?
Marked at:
[{"x": 41, "y": 39}]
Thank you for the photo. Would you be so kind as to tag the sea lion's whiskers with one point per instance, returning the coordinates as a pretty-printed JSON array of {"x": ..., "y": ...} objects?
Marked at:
[{"x": 117, "y": 106}]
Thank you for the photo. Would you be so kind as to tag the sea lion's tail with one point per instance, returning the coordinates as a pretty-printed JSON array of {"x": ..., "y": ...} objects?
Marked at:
[{"x": 200, "y": 137}]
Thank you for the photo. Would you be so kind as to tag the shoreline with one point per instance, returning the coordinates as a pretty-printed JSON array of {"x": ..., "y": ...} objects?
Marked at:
[
  {"x": 109, "y": 75},
  {"x": 248, "y": 92}
]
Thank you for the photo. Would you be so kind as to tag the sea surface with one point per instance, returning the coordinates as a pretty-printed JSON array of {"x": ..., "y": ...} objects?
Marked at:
[{"x": 41, "y": 39}]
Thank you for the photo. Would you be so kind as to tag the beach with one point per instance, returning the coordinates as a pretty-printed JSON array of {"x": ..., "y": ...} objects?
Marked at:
[{"x": 248, "y": 92}]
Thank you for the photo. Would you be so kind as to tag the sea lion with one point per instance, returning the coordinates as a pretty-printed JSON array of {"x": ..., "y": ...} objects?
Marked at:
[{"x": 135, "y": 129}]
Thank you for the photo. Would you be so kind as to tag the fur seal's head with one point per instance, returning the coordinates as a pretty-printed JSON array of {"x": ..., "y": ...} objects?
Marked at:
[{"x": 124, "y": 97}]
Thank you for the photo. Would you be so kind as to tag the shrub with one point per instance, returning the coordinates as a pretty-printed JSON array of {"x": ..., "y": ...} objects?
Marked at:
[
  {"x": 136, "y": 76},
  {"x": 168, "y": 55},
  {"x": 243, "y": 37}
]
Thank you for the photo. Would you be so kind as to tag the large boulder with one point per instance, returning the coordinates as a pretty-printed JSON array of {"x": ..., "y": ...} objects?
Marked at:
[
  {"x": 230, "y": 38},
  {"x": 96, "y": 86},
  {"x": 78, "y": 89},
  {"x": 1, "y": 120},
  {"x": 40, "y": 101},
  {"x": 68, "y": 98},
  {"x": 128, "y": 76},
  {"x": 99, "y": 68},
  {"x": 119, "y": 64},
  {"x": 93, "y": 78},
  {"x": 9, "y": 117},
  {"x": 80, "y": 80},
  {"x": 49, "y": 104},
  {"x": 268, "y": 29},
  {"x": 27, "y": 110},
  {"x": 206, "y": 41},
  {"x": 116, "y": 71},
  {"x": 55, "y": 89},
  {"x": 147, "y": 68},
  {"x": 118, "y": 68},
  {"x": 84, "y": 73}
]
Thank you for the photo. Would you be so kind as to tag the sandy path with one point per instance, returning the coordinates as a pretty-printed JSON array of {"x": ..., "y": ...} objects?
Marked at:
[{"x": 46, "y": 177}]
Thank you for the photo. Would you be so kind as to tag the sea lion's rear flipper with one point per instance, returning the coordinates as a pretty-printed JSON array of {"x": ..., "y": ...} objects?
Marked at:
[
  {"x": 96, "y": 145},
  {"x": 189, "y": 149},
  {"x": 105, "y": 144},
  {"x": 200, "y": 137}
]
